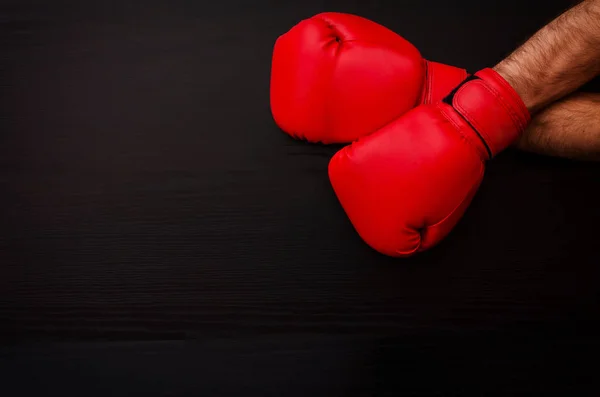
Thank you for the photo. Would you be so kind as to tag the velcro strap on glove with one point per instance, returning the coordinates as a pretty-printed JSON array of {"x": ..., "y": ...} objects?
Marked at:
[{"x": 492, "y": 107}]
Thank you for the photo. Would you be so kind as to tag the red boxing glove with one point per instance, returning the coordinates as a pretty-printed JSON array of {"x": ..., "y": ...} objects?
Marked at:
[
  {"x": 336, "y": 77},
  {"x": 405, "y": 186}
]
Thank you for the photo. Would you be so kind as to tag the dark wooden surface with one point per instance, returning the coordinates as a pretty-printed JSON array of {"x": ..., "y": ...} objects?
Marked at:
[{"x": 159, "y": 236}]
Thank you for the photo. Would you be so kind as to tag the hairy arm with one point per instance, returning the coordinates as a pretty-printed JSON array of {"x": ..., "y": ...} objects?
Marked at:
[
  {"x": 558, "y": 59},
  {"x": 568, "y": 128}
]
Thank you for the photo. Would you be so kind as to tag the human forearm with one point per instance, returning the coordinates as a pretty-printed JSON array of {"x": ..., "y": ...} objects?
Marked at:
[
  {"x": 567, "y": 128},
  {"x": 558, "y": 59}
]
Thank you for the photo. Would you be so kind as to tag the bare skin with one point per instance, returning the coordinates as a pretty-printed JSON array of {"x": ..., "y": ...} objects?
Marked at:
[
  {"x": 558, "y": 59},
  {"x": 567, "y": 128},
  {"x": 553, "y": 63}
]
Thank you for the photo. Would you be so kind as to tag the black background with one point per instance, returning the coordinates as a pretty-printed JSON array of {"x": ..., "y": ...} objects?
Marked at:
[{"x": 160, "y": 236}]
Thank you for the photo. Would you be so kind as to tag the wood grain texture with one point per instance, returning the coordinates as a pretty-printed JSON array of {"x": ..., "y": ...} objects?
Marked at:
[{"x": 157, "y": 228}]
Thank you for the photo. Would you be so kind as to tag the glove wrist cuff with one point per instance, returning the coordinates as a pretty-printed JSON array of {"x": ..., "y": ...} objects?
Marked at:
[
  {"x": 440, "y": 79},
  {"x": 492, "y": 108}
]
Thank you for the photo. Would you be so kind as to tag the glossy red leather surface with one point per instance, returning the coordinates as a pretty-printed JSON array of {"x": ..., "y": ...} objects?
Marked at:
[
  {"x": 336, "y": 77},
  {"x": 406, "y": 186}
]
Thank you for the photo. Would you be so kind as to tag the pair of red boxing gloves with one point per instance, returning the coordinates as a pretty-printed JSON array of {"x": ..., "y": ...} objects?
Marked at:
[{"x": 420, "y": 131}]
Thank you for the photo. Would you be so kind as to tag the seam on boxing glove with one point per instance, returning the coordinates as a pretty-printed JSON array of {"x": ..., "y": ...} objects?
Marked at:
[
  {"x": 517, "y": 103},
  {"x": 499, "y": 100},
  {"x": 430, "y": 76},
  {"x": 436, "y": 75},
  {"x": 328, "y": 101},
  {"x": 413, "y": 250},
  {"x": 468, "y": 196},
  {"x": 329, "y": 24},
  {"x": 449, "y": 100},
  {"x": 458, "y": 128},
  {"x": 426, "y": 94},
  {"x": 509, "y": 110},
  {"x": 507, "y": 106},
  {"x": 338, "y": 42},
  {"x": 456, "y": 102}
]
